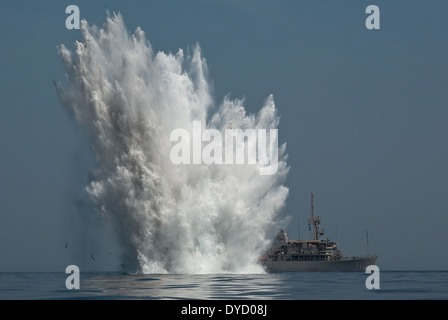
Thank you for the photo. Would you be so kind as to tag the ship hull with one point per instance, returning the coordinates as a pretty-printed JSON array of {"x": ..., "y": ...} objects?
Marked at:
[{"x": 349, "y": 264}]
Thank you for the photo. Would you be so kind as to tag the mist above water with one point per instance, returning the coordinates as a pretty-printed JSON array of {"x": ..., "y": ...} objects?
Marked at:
[{"x": 168, "y": 218}]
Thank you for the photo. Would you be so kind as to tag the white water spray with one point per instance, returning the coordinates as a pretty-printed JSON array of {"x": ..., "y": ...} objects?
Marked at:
[{"x": 168, "y": 218}]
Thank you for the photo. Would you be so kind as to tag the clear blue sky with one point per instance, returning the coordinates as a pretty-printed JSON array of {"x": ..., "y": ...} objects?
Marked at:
[{"x": 363, "y": 112}]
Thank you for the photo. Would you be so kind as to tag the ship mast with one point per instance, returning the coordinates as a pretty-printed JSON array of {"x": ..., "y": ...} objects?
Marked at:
[{"x": 315, "y": 221}]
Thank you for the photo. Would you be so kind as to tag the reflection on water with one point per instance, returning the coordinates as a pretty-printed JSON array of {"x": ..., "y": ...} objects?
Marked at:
[{"x": 258, "y": 286}]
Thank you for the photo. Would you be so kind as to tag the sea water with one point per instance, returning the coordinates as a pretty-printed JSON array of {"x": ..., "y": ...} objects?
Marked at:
[{"x": 394, "y": 285}]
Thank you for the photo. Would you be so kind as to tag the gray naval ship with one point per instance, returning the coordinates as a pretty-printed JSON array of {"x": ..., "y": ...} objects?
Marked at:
[{"x": 311, "y": 255}]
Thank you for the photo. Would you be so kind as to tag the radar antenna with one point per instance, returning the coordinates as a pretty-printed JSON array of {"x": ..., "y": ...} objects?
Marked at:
[{"x": 315, "y": 221}]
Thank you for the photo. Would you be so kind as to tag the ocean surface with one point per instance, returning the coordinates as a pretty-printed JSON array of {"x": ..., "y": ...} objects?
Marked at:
[{"x": 394, "y": 285}]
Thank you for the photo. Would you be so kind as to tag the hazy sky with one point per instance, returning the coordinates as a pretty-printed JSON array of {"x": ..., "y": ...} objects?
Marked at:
[{"x": 363, "y": 112}]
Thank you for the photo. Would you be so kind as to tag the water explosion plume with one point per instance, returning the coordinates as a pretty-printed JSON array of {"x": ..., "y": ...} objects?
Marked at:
[{"x": 168, "y": 218}]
